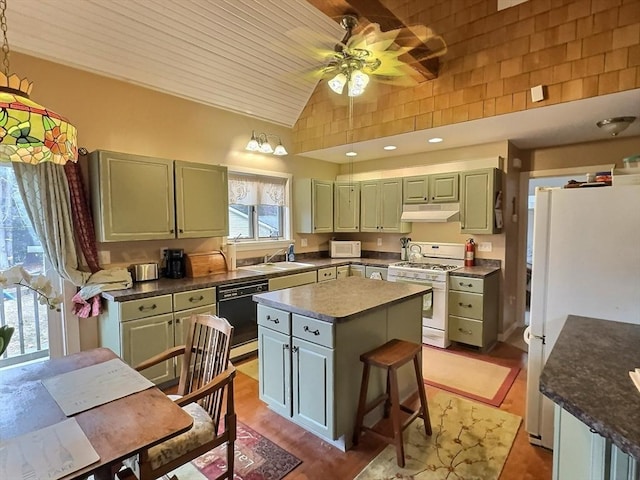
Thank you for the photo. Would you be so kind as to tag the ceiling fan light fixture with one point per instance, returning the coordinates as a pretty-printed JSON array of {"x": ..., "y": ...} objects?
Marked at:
[
  {"x": 615, "y": 125},
  {"x": 358, "y": 81},
  {"x": 338, "y": 82}
]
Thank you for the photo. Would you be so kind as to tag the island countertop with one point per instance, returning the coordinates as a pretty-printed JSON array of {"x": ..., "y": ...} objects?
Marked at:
[
  {"x": 341, "y": 299},
  {"x": 587, "y": 375}
]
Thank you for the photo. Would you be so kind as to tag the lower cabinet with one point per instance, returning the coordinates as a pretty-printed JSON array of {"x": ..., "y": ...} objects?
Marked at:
[
  {"x": 136, "y": 330},
  {"x": 327, "y": 273},
  {"x": 342, "y": 271},
  {"x": 582, "y": 454},
  {"x": 378, "y": 273},
  {"x": 356, "y": 270}
]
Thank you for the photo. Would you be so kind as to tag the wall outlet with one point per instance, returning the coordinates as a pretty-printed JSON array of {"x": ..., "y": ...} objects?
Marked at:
[
  {"x": 104, "y": 257},
  {"x": 485, "y": 247},
  {"x": 303, "y": 242},
  {"x": 162, "y": 252},
  {"x": 379, "y": 242}
]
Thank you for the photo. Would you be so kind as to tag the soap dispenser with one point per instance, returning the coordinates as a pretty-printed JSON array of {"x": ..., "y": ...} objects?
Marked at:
[{"x": 291, "y": 257}]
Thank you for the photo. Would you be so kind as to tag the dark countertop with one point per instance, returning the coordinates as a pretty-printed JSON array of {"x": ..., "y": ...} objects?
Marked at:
[
  {"x": 587, "y": 375},
  {"x": 341, "y": 299},
  {"x": 477, "y": 271},
  {"x": 164, "y": 286}
]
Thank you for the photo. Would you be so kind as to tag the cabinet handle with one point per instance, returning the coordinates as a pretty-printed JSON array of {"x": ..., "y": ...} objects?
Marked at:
[
  {"x": 315, "y": 332},
  {"x": 593, "y": 430},
  {"x": 285, "y": 346},
  {"x": 142, "y": 308},
  {"x": 171, "y": 231},
  {"x": 295, "y": 349},
  {"x": 181, "y": 231},
  {"x": 462, "y": 330},
  {"x": 463, "y": 305},
  {"x": 177, "y": 321},
  {"x": 196, "y": 299},
  {"x": 170, "y": 322},
  {"x": 274, "y": 320},
  {"x": 466, "y": 284}
]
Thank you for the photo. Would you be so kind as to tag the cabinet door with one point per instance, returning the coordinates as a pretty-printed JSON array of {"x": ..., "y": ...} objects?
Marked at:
[
  {"x": 119, "y": 182},
  {"x": 390, "y": 207},
  {"x": 322, "y": 206},
  {"x": 369, "y": 200},
  {"x": 443, "y": 188},
  {"x": 415, "y": 189},
  {"x": 144, "y": 338},
  {"x": 346, "y": 207},
  {"x": 275, "y": 370},
  {"x": 342, "y": 271},
  {"x": 371, "y": 270},
  {"x": 477, "y": 201},
  {"x": 357, "y": 270},
  {"x": 201, "y": 200},
  {"x": 313, "y": 402}
]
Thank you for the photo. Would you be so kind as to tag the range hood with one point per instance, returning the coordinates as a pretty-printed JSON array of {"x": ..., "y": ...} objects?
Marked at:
[{"x": 431, "y": 212}]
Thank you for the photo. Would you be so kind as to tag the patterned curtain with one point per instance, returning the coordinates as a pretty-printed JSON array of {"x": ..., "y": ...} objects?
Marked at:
[
  {"x": 82, "y": 220},
  {"x": 257, "y": 190}
]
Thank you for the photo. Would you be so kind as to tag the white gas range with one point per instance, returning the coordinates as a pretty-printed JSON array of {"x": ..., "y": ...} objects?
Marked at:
[{"x": 430, "y": 264}]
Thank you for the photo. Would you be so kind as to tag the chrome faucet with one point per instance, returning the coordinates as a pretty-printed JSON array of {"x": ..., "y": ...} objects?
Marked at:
[{"x": 268, "y": 258}]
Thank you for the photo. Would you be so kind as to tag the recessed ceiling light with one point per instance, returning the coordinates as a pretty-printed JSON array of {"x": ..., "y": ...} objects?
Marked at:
[
  {"x": 390, "y": 147},
  {"x": 351, "y": 154},
  {"x": 435, "y": 140}
]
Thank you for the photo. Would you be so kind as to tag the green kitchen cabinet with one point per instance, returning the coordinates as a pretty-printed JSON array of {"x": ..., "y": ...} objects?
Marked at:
[
  {"x": 346, "y": 207},
  {"x": 479, "y": 200},
  {"x": 342, "y": 271},
  {"x": 144, "y": 198},
  {"x": 381, "y": 206},
  {"x": 132, "y": 197},
  {"x": 443, "y": 187},
  {"x": 415, "y": 189},
  {"x": 202, "y": 200},
  {"x": 313, "y": 205},
  {"x": 275, "y": 370}
]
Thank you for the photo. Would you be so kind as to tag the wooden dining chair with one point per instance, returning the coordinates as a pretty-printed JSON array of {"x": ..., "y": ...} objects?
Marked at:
[{"x": 206, "y": 380}]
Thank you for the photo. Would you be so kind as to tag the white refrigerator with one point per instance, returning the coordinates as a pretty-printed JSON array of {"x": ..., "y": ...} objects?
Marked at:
[{"x": 586, "y": 261}]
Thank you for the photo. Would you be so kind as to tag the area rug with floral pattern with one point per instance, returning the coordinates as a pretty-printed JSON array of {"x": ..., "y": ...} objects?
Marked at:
[
  {"x": 470, "y": 441},
  {"x": 256, "y": 458}
]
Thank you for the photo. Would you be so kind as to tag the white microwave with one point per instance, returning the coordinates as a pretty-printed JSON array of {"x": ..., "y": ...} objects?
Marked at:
[{"x": 344, "y": 249}]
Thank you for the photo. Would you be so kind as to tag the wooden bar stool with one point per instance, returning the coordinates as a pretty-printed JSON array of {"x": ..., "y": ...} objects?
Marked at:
[{"x": 391, "y": 356}]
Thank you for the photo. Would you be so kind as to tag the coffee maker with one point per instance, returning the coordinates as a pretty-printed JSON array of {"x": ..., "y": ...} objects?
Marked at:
[{"x": 175, "y": 263}]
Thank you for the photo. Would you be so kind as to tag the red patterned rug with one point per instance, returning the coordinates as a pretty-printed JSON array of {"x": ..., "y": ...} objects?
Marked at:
[{"x": 256, "y": 458}]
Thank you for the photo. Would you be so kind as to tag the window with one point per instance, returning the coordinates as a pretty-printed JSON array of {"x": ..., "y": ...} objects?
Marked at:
[{"x": 258, "y": 207}]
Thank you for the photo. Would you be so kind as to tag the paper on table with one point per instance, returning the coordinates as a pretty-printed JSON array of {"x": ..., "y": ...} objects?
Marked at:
[
  {"x": 635, "y": 376},
  {"x": 49, "y": 453},
  {"x": 88, "y": 387}
]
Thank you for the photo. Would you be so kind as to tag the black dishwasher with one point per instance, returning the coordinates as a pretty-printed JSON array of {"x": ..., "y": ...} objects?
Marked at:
[{"x": 235, "y": 304}]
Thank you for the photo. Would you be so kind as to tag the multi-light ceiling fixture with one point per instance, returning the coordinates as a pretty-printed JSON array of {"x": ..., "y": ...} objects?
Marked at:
[
  {"x": 29, "y": 132},
  {"x": 260, "y": 143}
]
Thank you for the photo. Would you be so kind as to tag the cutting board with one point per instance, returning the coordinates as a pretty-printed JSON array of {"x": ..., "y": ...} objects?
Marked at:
[{"x": 206, "y": 263}]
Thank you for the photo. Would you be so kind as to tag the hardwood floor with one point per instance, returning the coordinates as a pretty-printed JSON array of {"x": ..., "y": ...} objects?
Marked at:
[{"x": 323, "y": 461}]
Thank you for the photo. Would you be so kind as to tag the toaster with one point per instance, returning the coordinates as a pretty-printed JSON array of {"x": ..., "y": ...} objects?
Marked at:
[{"x": 142, "y": 272}]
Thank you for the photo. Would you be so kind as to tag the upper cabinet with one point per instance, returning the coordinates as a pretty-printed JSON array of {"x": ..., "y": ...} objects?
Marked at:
[
  {"x": 443, "y": 187},
  {"x": 415, "y": 189},
  {"x": 437, "y": 188},
  {"x": 381, "y": 206},
  {"x": 479, "y": 201},
  {"x": 201, "y": 200},
  {"x": 313, "y": 203},
  {"x": 135, "y": 198},
  {"x": 346, "y": 207}
]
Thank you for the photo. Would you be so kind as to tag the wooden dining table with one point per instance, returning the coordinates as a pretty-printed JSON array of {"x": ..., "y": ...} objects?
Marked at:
[{"x": 116, "y": 430}]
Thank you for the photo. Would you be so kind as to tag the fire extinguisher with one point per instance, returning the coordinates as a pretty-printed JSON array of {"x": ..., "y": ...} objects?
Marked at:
[{"x": 469, "y": 253}]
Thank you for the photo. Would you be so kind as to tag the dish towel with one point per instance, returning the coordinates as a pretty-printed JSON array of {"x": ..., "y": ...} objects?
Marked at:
[
  {"x": 86, "y": 303},
  {"x": 635, "y": 376}
]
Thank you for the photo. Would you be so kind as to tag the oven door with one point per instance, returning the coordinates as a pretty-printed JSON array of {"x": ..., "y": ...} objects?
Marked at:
[{"x": 434, "y": 304}]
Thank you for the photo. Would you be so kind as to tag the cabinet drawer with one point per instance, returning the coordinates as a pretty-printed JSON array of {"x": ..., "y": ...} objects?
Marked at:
[
  {"x": 313, "y": 330},
  {"x": 465, "y": 330},
  {"x": 466, "y": 304},
  {"x": 325, "y": 274},
  {"x": 466, "y": 284},
  {"x": 194, "y": 298},
  {"x": 275, "y": 319},
  {"x": 294, "y": 280},
  {"x": 146, "y": 307}
]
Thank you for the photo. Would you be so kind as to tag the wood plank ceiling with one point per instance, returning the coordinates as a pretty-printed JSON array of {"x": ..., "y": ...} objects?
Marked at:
[{"x": 247, "y": 56}]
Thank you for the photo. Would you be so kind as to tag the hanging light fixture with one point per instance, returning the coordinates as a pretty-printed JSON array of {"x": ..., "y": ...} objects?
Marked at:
[
  {"x": 260, "y": 143},
  {"x": 29, "y": 132},
  {"x": 615, "y": 125}
]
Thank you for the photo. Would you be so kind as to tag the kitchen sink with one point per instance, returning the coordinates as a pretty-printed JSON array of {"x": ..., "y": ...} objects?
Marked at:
[{"x": 276, "y": 266}]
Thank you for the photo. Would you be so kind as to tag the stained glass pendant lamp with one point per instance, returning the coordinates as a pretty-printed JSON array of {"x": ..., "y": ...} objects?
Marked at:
[{"x": 29, "y": 132}]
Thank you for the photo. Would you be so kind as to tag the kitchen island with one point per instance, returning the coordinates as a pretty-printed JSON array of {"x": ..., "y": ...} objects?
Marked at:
[
  {"x": 310, "y": 339},
  {"x": 597, "y": 413}
]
